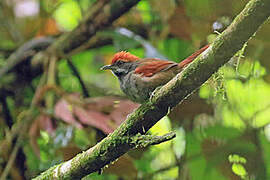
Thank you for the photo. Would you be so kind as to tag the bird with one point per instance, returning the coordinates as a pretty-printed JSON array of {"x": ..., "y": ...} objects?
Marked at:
[{"x": 139, "y": 78}]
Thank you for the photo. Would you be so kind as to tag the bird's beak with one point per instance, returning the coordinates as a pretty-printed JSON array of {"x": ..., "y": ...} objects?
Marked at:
[{"x": 110, "y": 67}]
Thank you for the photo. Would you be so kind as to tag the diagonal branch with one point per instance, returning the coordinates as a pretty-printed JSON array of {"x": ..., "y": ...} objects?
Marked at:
[{"x": 114, "y": 145}]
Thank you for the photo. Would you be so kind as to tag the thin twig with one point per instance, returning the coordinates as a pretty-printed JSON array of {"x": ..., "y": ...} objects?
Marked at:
[
  {"x": 78, "y": 76},
  {"x": 166, "y": 168},
  {"x": 11, "y": 160},
  {"x": 52, "y": 68},
  {"x": 26, "y": 118},
  {"x": 146, "y": 140},
  {"x": 240, "y": 55},
  {"x": 6, "y": 112}
]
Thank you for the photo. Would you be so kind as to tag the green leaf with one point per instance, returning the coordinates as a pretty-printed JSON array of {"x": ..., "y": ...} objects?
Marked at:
[
  {"x": 145, "y": 9},
  {"x": 205, "y": 91},
  {"x": 247, "y": 99},
  {"x": 237, "y": 159},
  {"x": 239, "y": 170},
  {"x": 68, "y": 14},
  {"x": 45, "y": 136}
]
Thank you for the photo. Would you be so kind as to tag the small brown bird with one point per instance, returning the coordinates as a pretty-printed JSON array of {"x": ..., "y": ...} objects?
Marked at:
[{"x": 140, "y": 77}]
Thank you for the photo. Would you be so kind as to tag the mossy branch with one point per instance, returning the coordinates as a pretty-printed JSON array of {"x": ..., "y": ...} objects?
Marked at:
[
  {"x": 140, "y": 140},
  {"x": 114, "y": 145}
]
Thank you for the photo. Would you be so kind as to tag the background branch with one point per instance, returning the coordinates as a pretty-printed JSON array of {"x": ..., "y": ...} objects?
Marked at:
[
  {"x": 78, "y": 76},
  {"x": 6, "y": 111},
  {"x": 102, "y": 14}
]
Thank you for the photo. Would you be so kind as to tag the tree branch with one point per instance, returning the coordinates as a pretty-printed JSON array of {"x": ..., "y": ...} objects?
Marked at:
[
  {"x": 220, "y": 52},
  {"x": 24, "y": 52},
  {"x": 101, "y": 15}
]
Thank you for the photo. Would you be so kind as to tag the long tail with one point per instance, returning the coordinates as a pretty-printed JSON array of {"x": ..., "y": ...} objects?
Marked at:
[{"x": 189, "y": 59}]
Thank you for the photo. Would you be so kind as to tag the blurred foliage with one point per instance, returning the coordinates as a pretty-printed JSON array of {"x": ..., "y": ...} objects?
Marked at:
[
  {"x": 68, "y": 15},
  {"x": 223, "y": 131}
]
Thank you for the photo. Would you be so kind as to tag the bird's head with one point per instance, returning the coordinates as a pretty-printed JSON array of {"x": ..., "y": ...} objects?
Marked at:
[{"x": 122, "y": 63}]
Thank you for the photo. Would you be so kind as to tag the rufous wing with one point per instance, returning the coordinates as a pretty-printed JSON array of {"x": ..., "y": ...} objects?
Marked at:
[
  {"x": 189, "y": 59},
  {"x": 150, "y": 66}
]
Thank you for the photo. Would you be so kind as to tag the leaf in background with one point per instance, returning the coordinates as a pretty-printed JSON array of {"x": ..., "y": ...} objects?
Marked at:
[
  {"x": 113, "y": 109},
  {"x": 94, "y": 119},
  {"x": 121, "y": 110},
  {"x": 68, "y": 14},
  {"x": 239, "y": 170},
  {"x": 104, "y": 113},
  {"x": 255, "y": 94},
  {"x": 63, "y": 110}
]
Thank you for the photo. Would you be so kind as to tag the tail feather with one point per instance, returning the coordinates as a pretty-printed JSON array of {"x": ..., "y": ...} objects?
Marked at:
[{"x": 189, "y": 59}]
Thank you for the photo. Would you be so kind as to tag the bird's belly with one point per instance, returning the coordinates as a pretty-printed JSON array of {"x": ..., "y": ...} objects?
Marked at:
[{"x": 134, "y": 89}]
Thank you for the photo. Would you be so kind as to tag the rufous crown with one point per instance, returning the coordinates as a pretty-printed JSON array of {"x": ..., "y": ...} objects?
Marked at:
[{"x": 125, "y": 56}]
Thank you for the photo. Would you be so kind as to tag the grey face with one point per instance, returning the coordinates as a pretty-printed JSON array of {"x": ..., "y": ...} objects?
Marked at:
[{"x": 121, "y": 68}]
